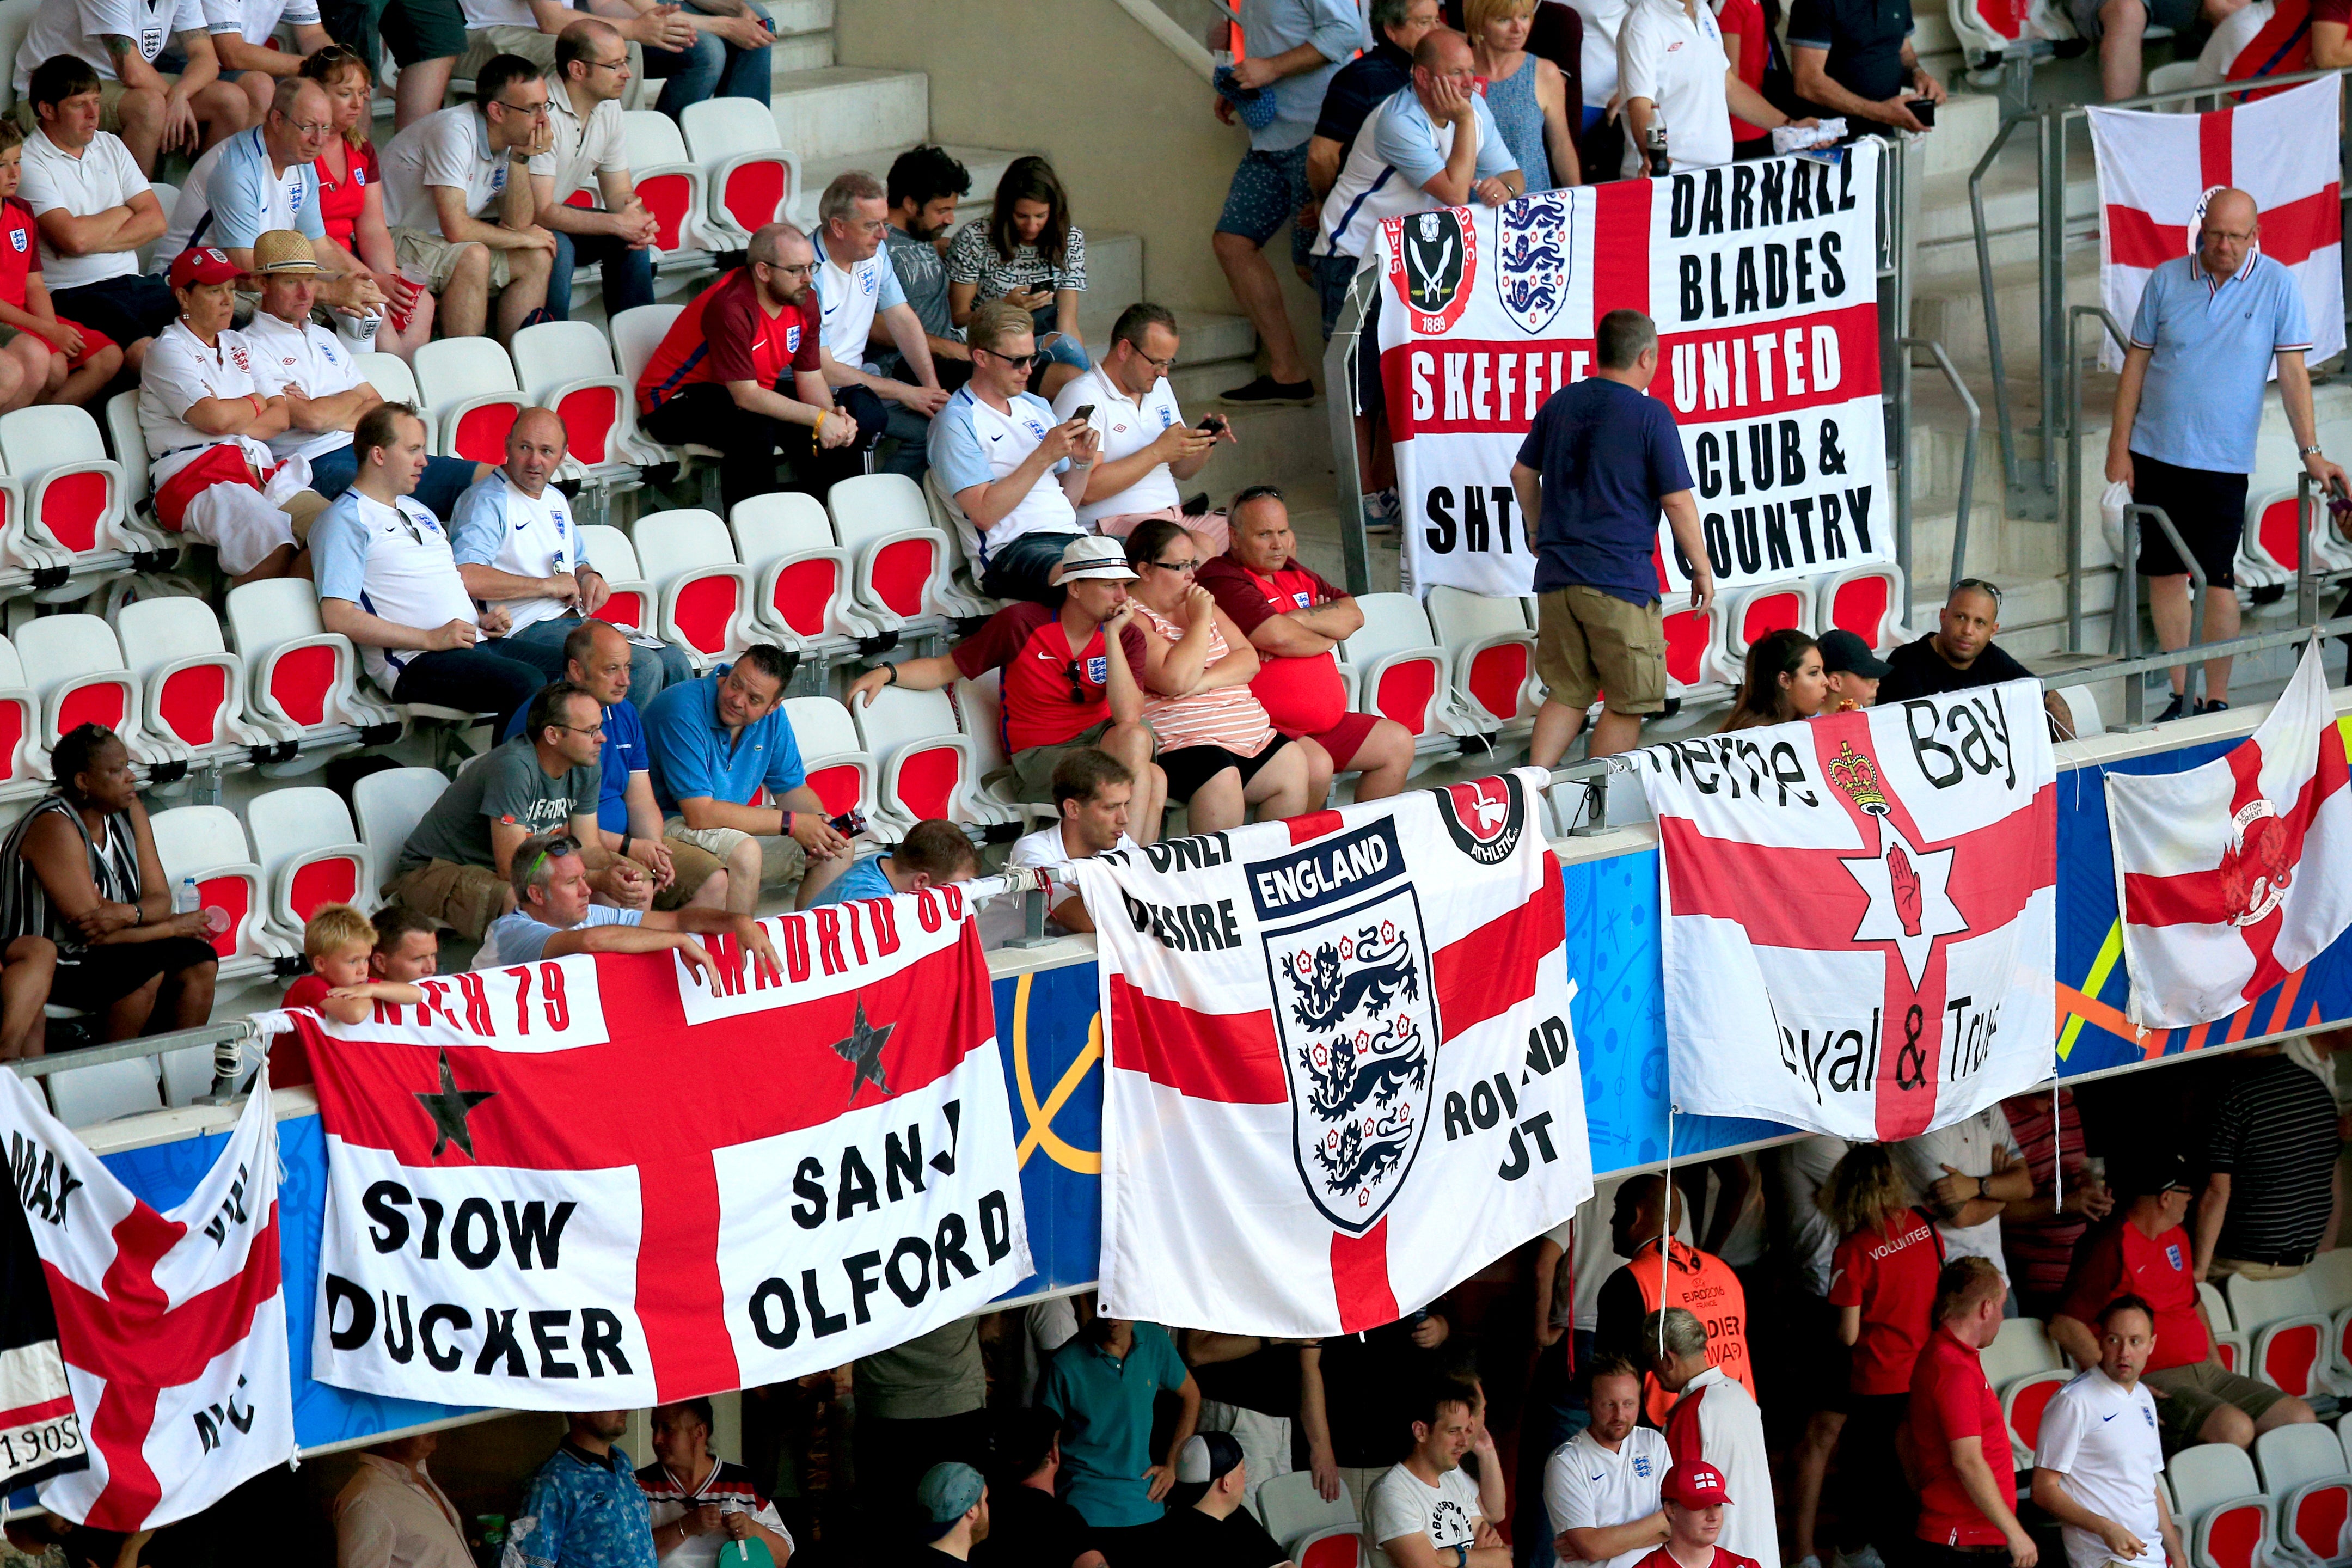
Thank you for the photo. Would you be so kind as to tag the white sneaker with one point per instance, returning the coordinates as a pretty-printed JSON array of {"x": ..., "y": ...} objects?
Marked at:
[{"x": 1867, "y": 1557}]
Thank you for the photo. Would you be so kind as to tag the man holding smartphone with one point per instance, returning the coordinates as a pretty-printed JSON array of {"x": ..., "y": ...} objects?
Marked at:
[
  {"x": 1147, "y": 449},
  {"x": 1855, "y": 58}
]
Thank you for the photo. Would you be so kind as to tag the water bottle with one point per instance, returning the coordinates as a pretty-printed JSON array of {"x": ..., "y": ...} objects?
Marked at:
[
  {"x": 1653, "y": 143},
  {"x": 185, "y": 899}
]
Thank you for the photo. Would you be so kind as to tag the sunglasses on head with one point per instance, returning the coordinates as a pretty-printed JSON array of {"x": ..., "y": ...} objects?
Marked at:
[
  {"x": 562, "y": 845},
  {"x": 1989, "y": 590}
]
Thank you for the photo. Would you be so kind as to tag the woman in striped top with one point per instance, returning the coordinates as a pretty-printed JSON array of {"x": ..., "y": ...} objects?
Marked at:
[
  {"x": 81, "y": 869},
  {"x": 1219, "y": 750}
]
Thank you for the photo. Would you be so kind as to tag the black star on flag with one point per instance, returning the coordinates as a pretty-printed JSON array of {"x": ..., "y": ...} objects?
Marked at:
[
  {"x": 450, "y": 1107},
  {"x": 864, "y": 1046}
]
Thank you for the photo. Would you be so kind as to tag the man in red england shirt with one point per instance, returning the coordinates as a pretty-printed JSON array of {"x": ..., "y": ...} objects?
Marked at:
[
  {"x": 717, "y": 378},
  {"x": 2145, "y": 1251},
  {"x": 1967, "y": 1489},
  {"x": 1694, "y": 1498},
  {"x": 1293, "y": 619},
  {"x": 1060, "y": 690}
]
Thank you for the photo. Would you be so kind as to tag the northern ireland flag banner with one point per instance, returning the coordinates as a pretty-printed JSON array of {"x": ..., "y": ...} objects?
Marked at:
[
  {"x": 2233, "y": 875},
  {"x": 1761, "y": 277},
  {"x": 172, "y": 1326},
  {"x": 1861, "y": 935},
  {"x": 605, "y": 1180},
  {"x": 1342, "y": 1073},
  {"x": 2157, "y": 170}
]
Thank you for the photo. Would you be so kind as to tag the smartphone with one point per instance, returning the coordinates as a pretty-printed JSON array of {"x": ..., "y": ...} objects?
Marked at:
[
  {"x": 1084, "y": 412},
  {"x": 1211, "y": 424},
  {"x": 1923, "y": 109},
  {"x": 849, "y": 824}
]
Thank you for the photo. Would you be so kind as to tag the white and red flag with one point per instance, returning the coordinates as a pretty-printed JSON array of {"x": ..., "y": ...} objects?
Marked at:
[
  {"x": 1342, "y": 1070},
  {"x": 1860, "y": 932},
  {"x": 598, "y": 1180},
  {"x": 172, "y": 1326},
  {"x": 2156, "y": 171},
  {"x": 2233, "y": 875}
]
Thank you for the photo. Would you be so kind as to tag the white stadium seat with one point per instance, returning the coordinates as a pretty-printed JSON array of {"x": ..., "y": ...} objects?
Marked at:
[
  {"x": 1756, "y": 614},
  {"x": 667, "y": 181},
  {"x": 2221, "y": 1506},
  {"x": 926, "y": 766},
  {"x": 389, "y": 805},
  {"x": 2020, "y": 1347},
  {"x": 1867, "y": 601},
  {"x": 839, "y": 767},
  {"x": 903, "y": 563},
  {"x": 195, "y": 687},
  {"x": 302, "y": 681},
  {"x": 84, "y": 1097},
  {"x": 2302, "y": 1471},
  {"x": 1398, "y": 669},
  {"x": 1492, "y": 643},
  {"x": 471, "y": 385},
  {"x": 24, "y": 766},
  {"x": 390, "y": 374},
  {"x": 749, "y": 178},
  {"x": 568, "y": 366},
  {"x": 78, "y": 673},
  {"x": 608, "y": 550},
  {"x": 309, "y": 853},
  {"x": 706, "y": 605},
  {"x": 77, "y": 500},
  {"x": 208, "y": 843},
  {"x": 802, "y": 577}
]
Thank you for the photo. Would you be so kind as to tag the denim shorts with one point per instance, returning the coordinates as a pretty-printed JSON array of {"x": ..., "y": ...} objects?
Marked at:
[{"x": 1267, "y": 191}]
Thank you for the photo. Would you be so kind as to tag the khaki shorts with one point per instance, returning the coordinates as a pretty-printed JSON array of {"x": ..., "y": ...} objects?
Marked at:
[
  {"x": 692, "y": 866},
  {"x": 781, "y": 860},
  {"x": 464, "y": 898},
  {"x": 2222, "y": 1267},
  {"x": 1591, "y": 644},
  {"x": 109, "y": 109},
  {"x": 532, "y": 45},
  {"x": 437, "y": 258},
  {"x": 1032, "y": 769},
  {"x": 2188, "y": 1395}
]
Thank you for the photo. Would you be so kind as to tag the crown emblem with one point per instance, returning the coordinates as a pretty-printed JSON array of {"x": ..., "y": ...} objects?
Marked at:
[{"x": 1857, "y": 775}]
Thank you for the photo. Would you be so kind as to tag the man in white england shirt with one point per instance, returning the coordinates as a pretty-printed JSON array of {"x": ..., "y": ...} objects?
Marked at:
[
  {"x": 1427, "y": 1511},
  {"x": 1601, "y": 1487},
  {"x": 1091, "y": 790},
  {"x": 242, "y": 33},
  {"x": 857, "y": 288},
  {"x": 94, "y": 208},
  {"x": 2098, "y": 1468},
  {"x": 120, "y": 40},
  {"x": 1148, "y": 449}
]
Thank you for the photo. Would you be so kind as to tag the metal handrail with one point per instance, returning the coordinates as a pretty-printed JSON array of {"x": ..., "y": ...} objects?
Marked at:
[
  {"x": 1967, "y": 474},
  {"x": 2127, "y": 609}
]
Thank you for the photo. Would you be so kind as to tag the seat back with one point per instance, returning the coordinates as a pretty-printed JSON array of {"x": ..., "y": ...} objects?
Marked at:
[
  {"x": 2021, "y": 1405},
  {"x": 77, "y": 507},
  {"x": 1339, "y": 1546},
  {"x": 449, "y": 372},
  {"x": 654, "y": 142},
  {"x": 982, "y": 711},
  {"x": 157, "y": 632},
  {"x": 2289, "y": 1457},
  {"x": 1408, "y": 693},
  {"x": 390, "y": 374},
  {"x": 2279, "y": 529},
  {"x": 1496, "y": 677},
  {"x": 1784, "y": 606},
  {"x": 921, "y": 777},
  {"x": 822, "y": 728},
  {"x": 1867, "y": 601},
  {"x": 675, "y": 544},
  {"x": 1290, "y": 1508},
  {"x": 191, "y": 840},
  {"x": 2254, "y": 1304},
  {"x": 2330, "y": 1275},
  {"x": 293, "y": 821},
  {"x": 84, "y": 1096},
  {"x": 2290, "y": 1353},
  {"x": 865, "y": 508},
  {"x": 389, "y": 805},
  {"x": 2217, "y": 1306},
  {"x": 1690, "y": 644},
  {"x": 2022, "y": 1346},
  {"x": 637, "y": 333},
  {"x": 553, "y": 354},
  {"x": 753, "y": 191},
  {"x": 1393, "y": 623},
  {"x": 59, "y": 648},
  {"x": 2207, "y": 1474},
  {"x": 2083, "y": 704},
  {"x": 783, "y": 523},
  {"x": 278, "y": 610}
]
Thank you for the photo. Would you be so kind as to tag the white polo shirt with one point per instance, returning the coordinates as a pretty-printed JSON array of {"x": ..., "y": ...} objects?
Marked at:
[
  {"x": 309, "y": 359},
  {"x": 1045, "y": 847},
  {"x": 1399, "y": 151},
  {"x": 581, "y": 149},
  {"x": 481, "y": 14},
  {"x": 1127, "y": 426},
  {"x": 1586, "y": 1487},
  {"x": 391, "y": 562},
  {"x": 2104, "y": 1439},
  {"x": 1967, "y": 1147},
  {"x": 105, "y": 175},
  {"x": 972, "y": 444},
  {"x": 74, "y": 28},
  {"x": 254, "y": 20},
  {"x": 852, "y": 296},
  {"x": 1731, "y": 1439},
  {"x": 448, "y": 147},
  {"x": 497, "y": 525},
  {"x": 1677, "y": 64},
  {"x": 179, "y": 373}
]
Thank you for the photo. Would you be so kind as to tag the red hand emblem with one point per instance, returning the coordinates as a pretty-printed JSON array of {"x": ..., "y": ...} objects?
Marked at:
[{"x": 1906, "y": 890}]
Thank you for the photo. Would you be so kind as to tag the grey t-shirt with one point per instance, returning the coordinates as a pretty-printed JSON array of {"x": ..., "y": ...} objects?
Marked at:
[
  {"x": 508, "y": 784},
  {"x": 938, "y": 1373},
  {"x": 923, "y": 274}
]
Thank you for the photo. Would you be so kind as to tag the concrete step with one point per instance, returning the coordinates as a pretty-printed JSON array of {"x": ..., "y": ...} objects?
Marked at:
[
  {"x": 1316, "y": 525},
  {"x": 836, "y": 110},
  {"x": 1950, "y": 308},
  {"x": 1944, "y": 234},
  {"x": 800, "y": 52},
  {"x": 1286, "y": 446},
  {"x": 794, "y": 17},
  {"x": 985, "y": 165}
]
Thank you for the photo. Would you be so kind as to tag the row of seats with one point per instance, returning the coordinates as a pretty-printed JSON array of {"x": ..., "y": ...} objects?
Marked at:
[
  {"x": 2271, "y": 551},
  {"x": 2287, "y": 1502}
]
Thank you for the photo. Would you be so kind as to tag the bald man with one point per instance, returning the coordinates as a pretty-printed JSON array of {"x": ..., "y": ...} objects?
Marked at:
[
  {"x": 518, "y": 546},
  {"x": 2188, "y": 409}
]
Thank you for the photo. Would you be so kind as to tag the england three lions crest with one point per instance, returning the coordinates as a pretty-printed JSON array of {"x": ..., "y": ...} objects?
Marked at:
[
  {"x": 1433, "y": 263},
  {"x": 1531, "y": 272},
  {"x": 1355, "y": 1014}
]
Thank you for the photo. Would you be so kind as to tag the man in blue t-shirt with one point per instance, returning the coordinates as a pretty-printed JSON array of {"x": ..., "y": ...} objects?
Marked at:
[
  {"x": 1601, "y": 461},
  {"x": 934, "y": 851}
]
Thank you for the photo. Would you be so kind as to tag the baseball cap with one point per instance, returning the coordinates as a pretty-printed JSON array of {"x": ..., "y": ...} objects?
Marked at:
[
  {"x": 1207, "y": 1456},
  {"x": 1092, "y": 555},
  {"x": 1842, "y": 650},
  {"x": 204, "y": 264},
  {"x": 948, "y": 1492},
  {"x": 280, "y": 252},
  {"x": 1693, "y": 1483},
  {"x": 2161, "y": 1172}
]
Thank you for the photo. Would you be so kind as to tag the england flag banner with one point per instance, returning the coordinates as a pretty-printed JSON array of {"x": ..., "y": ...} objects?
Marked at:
[
  {"x": 2233, "y": 875},
  {"x": 172, "y": 1326},
  {"x": 1761, "y": 277},
  {"x": 2157, "y": 171},
  {"x": 1342, "y": 1073},
  {"x": 1860, "y": 928},
  {"x": 608, "y": 1181}
]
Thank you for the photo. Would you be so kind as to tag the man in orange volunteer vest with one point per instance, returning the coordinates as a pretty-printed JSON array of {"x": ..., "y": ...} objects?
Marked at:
[{"x": 1682, "y": 1275}]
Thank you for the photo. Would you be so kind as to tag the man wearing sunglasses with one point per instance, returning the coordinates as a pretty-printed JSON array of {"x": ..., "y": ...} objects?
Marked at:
[
  {"x": 1960, "y": 656},
  {"x": 555, "y": 915},
  {"x": 458, "y": 194}
]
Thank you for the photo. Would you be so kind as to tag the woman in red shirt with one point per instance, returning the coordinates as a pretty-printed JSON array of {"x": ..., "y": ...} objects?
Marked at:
[{"x": 350, "y": 198}]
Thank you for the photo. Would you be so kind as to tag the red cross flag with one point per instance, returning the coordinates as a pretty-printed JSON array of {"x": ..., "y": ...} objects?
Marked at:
[
  {"x": 2233, "y": 875},
  {"x": 599, "y": 1180},
  {"x": 1860, "y": 932},
  {"x": 2156, "y": 171},
  {"x": 173, "y": 1325}
]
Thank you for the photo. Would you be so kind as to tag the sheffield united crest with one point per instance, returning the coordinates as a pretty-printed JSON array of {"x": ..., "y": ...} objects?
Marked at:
[
  {"x": 1531, "y": 272},
  {"x": 1355, "y": 1014},
  {"x": 1432, "y": 264}
]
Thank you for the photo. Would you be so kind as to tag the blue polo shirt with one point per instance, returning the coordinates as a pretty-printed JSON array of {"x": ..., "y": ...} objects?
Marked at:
[
  {"x": 864, "y": 880},
  {"x": 2202, "y": 406},
  {"x": 1105, "y": 1403},
  {"x": 624, "y": 752},
  {"x": 1276, "y": 27},
  {"x": 693, "y": 754},
  {"x": 1608, "y": 456}
]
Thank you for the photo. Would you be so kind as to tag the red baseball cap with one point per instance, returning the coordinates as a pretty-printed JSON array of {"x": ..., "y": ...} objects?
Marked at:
[
  {"x": 204, "y": 264},
  {"x": 1693, "y": 1484}
]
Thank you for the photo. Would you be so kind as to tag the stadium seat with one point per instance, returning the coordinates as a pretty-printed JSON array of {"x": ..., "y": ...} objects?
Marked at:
[
  {"x": 195, "y": 686},
  {"x": 803, "y": 578},
  {"x": 389, "y": 806},
  {"x": 78, "y": 501},
  {"x": 82, "y": 1096},
  {"x": 2331, "y": 1287},
  {"x": 78, "y": 673},
  {"x": 964, "y": 567},
  {"x": 208, "y": 843},
  {"x": 1293, "y": 1512},
  {"x": 471, "y": 385},
  {"x": 2021, "y": 1404},
  {"x": 925, "y": 766},
  {"x": 2221, "y": 1506},
  {"x": 389, "y": 375},
  {"x": 637, "y": 333},
  {"x": 308, "y": 854},
  {"x": 2021, "y": 1348},
  {"x": 187, "y": 1073},
  {"x": 2302, "y": 1470},
  {"x": 749, "y": 179},
  {"x": 568, "y": 366},
  {"x": 1398, "y": 670},
  {"x": 302, "y": 681},
  {"x": 632, "y": 601},
  {"x": 669, "y": 182},
  {"x": 1756, "y": 614},
  {"x": 978, "y": 705},
  {"x": 706, "y": 604},
  {"x": 1693, "y": 646},
  {"x": 2083, "y": 704},
  {"x": 2274, "y": 541},
  {"x": 2229, "y": 1344},
  {"x": 23, "y": 768},
  {"x": 1867, "y": 601},
  {"x": 2289, "y": 1334},
  {"x": 1492, "y": 643},
  {"x": 839, "y": 767},
  {"x": 901, "y": 576}
]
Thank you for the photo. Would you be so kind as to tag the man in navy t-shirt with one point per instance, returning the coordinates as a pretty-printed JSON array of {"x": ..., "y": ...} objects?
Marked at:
[{"x": 1600, "y": 460}]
